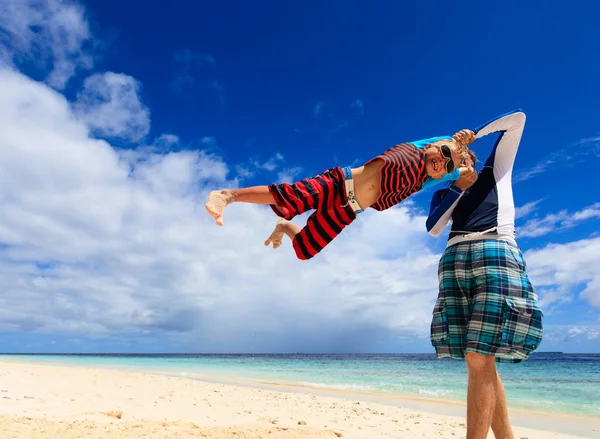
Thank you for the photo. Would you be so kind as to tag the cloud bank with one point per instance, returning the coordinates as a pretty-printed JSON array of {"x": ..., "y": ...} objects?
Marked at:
[{"x": 108, "y": 243}]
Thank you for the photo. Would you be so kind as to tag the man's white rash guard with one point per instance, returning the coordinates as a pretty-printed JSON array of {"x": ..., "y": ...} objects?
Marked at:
[{"x": 487, "y": 207}]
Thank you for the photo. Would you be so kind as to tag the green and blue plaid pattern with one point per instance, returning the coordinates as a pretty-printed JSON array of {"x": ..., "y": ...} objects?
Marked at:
[{"x": 486, "y": 303}]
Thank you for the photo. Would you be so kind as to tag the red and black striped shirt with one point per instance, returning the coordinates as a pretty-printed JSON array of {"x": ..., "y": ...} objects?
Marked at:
[{"x": 402, "y": 174}]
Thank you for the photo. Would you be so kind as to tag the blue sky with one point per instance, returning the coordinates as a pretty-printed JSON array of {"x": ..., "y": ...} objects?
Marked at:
[{"x": 124, "y": 115}]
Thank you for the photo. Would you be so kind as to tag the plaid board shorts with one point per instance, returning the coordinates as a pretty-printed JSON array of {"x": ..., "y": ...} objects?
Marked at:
[
  {"x": 326, "y": 193},
  {"x": 486, "y": 303}
]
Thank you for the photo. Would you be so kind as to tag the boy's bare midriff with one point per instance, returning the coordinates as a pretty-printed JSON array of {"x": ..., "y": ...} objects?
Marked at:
[{"x": 367, "y": 181}]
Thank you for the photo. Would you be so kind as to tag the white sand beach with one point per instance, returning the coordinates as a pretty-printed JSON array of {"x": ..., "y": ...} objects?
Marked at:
[{"x": 48, "y": 401}]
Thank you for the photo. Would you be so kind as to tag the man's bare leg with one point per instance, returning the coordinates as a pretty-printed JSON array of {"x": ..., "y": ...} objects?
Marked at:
[
  {"x": 282, "y": 227},
  {"x": 500, "y": 421},
  {"x": 481, "y": 394},
  {"x": 218, "y": 200}
]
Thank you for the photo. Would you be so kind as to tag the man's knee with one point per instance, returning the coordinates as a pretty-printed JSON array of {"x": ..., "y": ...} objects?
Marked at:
[{"x": 480, "y": 362}]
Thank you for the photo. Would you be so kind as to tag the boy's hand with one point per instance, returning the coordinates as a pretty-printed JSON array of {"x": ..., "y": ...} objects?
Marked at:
[
  {"x": 468, "y": 176},
  {"x": 464, "y": 137}
]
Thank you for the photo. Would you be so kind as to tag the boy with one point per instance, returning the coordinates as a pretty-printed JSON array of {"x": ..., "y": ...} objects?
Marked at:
[{"x": 339, "y": 194}]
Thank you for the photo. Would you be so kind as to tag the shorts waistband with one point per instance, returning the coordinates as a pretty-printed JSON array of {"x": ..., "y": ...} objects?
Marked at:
[
  {"x": 473, "y": 234},
  {"x": 490, "y": 236},
  {"x": 349, "y": 184}
]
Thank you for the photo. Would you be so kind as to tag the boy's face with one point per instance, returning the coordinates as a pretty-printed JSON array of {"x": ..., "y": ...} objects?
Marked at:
[{"x": 442, "y": 158}]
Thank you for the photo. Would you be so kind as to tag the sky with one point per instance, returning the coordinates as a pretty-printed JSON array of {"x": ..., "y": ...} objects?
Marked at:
[{"x": 118, "y": 118}]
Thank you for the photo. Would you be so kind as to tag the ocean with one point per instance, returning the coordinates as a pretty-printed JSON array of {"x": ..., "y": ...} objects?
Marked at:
[{"x": 547, "y": 382}]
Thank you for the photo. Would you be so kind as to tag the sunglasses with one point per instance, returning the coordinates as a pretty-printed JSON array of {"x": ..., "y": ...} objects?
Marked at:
[{"x": 447, "y": 153}]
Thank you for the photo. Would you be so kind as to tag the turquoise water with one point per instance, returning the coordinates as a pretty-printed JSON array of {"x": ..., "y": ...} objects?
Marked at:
[{"x": 555, "y": 383}]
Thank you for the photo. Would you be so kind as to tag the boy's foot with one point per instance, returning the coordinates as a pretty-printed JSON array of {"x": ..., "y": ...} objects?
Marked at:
[
  {"x": 277, "y": 235},
  {"x": 217, "y": 201}
]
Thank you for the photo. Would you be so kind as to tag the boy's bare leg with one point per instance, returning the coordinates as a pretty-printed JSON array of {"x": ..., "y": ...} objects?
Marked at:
[
  {"x": 282, "y": 227},
  {"x": 218, "y": 200}
]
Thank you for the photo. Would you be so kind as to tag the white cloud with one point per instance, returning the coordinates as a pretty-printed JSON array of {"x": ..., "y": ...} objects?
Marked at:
[
  {"x": 318, "y": 108},
  {"x": 539, "y": 227},
  {"x": 592, "y": 211},
  {"x": 243, "y": 171},
  {"x": 98, "y": 241},
  {"x": 526, "y": 209},
  {"x": 551, "y": 298},
  {"x": 102, "y": 241},
  {"x": 167, "y": 139},
  {"x": 564, "y": 267},
  {"x": 217, "y": 87},
  {"x": 110, "y": 105},
  {"x": 105, "y": 242},
  {"x": 50, "y": 33},
  {"x": 358, "y": 105},
  {"x": 543, "y": 166},
  {"x": 288, "y": 175},
  {"x": 588, "y": 140},
  {"x": 271, "y": 164},
  {"x": 255, "y": 164},
  {"x": 342, "y": 126},
  {"x": 591, "y": 333},
  {"x": 556, "y": 221},
  {"x": 568, "y": 156},
  {"x": 570, "y": 334}
]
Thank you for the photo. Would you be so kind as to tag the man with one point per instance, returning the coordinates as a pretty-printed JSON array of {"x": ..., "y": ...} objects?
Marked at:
[
  {"x": 339, "y": 194},
  {"x": 487, "y": 310}
]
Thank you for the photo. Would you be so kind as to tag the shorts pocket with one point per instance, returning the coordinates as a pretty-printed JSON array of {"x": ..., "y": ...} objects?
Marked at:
[
  {"x": 522, "y": 326},
  {"x": 439, "y": 323}
]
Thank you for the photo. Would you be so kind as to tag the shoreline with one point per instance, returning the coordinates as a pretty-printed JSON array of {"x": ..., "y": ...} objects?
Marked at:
[
  {"x": 528, "y": 418},
  {"x": 435, "y": 405},
  {"x": 451, "y": 414}
]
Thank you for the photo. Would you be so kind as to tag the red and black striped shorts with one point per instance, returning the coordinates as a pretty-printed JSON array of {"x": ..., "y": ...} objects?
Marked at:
[{"x": 327, "y": 194}]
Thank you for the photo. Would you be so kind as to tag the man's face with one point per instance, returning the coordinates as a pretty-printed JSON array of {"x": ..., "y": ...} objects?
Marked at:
[{"x": 442, "y": 158}]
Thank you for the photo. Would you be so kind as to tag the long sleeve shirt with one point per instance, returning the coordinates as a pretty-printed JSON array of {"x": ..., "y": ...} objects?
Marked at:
[{"x": 486, "y": 209}]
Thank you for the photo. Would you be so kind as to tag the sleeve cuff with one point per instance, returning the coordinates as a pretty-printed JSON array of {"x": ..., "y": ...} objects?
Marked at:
[{"x": 456, "y": 190}]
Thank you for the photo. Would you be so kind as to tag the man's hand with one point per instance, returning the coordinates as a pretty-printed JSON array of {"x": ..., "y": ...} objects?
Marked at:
[
  {"x": 468, "y": 176},
  {"x": 464, "y": 137}
]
